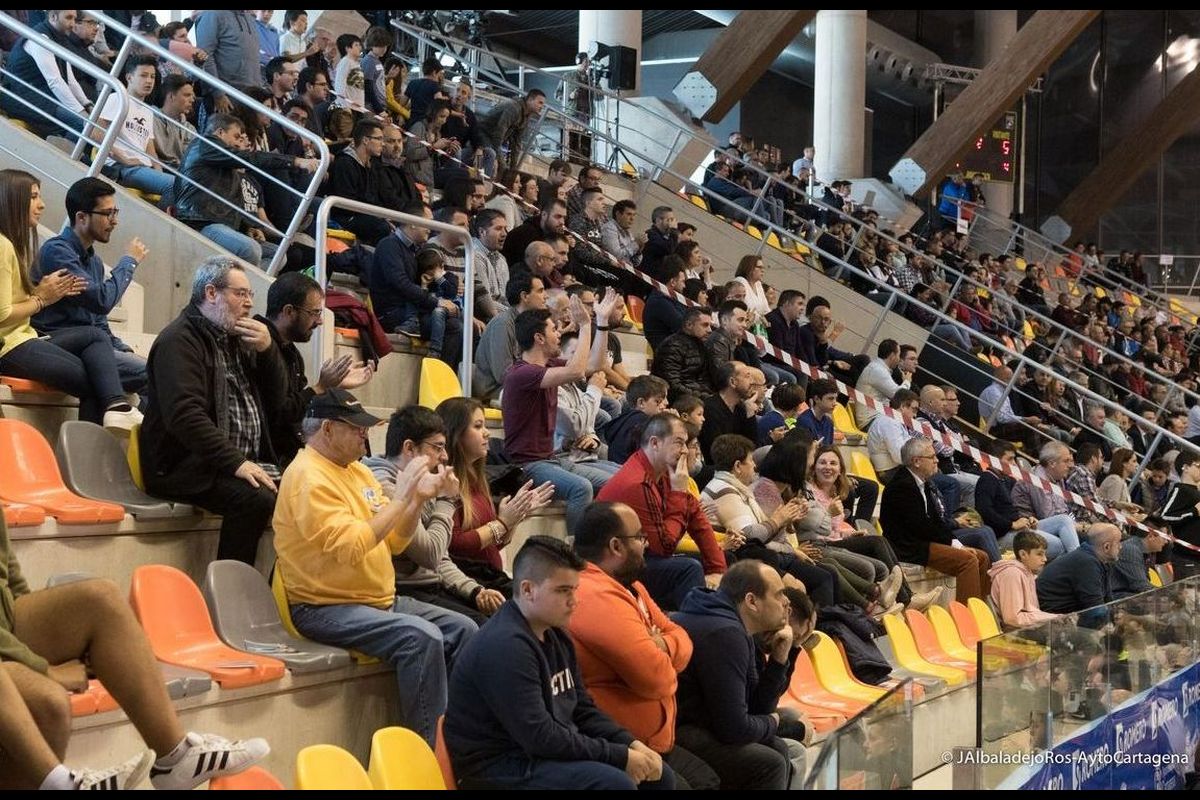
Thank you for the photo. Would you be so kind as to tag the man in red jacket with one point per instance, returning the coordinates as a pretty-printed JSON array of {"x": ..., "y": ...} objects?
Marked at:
[
  {"x": 654, "y": 483},
  {"x": 630, "y": 653}
]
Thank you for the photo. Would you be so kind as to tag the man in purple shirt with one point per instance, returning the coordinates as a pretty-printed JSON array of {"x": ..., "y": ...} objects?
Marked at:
[{"x": 529, "y": 403}]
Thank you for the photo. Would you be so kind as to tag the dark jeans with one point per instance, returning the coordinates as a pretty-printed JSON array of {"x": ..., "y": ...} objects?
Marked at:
[
  {"x": 245, "y": 513},
  {"x": 77, "y": 361},
  {"x": 521, "y": 772},
  {"x": 740, "y": 766},
  {"x": 443, "y": 598},
  {"x": 669, "y": 579},
  {"x": 691, "y": 773},
  {"x": 820, "y": 580},
  {"x": 861, "y": 502}
]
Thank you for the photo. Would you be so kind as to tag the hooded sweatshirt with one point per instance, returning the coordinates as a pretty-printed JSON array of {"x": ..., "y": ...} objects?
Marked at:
[
  {"x": 623, "y": 434},
  {"x": 1015, "y": 594},
  {"x": 723, "y": 689}
]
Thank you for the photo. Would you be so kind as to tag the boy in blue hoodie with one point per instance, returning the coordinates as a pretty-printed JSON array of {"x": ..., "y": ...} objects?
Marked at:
[{"x": 519, "y": 715}]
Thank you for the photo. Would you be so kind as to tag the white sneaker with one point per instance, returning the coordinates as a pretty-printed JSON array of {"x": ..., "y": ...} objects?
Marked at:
[
  {"x": 922, "y": 601},
  {"x": 122, "y": 776},
  {"x": 122, "y": 420},
  {"x": 208, "y": 756}
]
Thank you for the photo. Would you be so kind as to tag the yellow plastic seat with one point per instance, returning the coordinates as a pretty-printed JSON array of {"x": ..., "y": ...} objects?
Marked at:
[
  {"x": 803, "y": 249},
  {"x": 401, "y": 759},
  {"x": 952, "y": 644},
  {"x": 832, "y": 674},
  {"x": 843, "y": 420},
  {"x": 19, "y": 123},
  {"x": 1020, "y": 264},
  {"x": 338, "y": 233},
  {"x": 285, "y": 615},
  {"x": 698, "y": 201},
  {"x": 327, "y": 767},
  {"x": 438, "y": 383},
  {"x": 773, "y": 240},
  {"x": 1155, "y": 579},
  {"x": 984, "y": 618},
  {"x": 905, "y": 651},
  {"x": 860, "y": 466},
  {"x": 134, "y": 456},
  {"x": 754, "y": 231}
]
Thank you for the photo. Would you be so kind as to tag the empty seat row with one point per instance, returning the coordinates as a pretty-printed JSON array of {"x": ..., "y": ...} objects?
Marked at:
[
  {"x": 400, "y": 759},
  {"x": 85, "y": 480}
]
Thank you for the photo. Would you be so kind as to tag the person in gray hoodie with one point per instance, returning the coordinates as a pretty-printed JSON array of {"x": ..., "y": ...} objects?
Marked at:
[{"x": 424, "y": 570}]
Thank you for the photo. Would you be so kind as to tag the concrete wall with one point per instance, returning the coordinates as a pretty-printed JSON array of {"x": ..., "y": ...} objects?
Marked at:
[{"x": 726, "y": 245}]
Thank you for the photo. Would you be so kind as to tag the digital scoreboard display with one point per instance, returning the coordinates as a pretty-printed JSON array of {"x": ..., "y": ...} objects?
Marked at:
[{"x": 993, "y": 156}]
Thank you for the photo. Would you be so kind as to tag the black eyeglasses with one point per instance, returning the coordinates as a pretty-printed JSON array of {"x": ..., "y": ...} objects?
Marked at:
[
  {"x": 110, "y": 213},
  {"x": 637, "y": 537}
]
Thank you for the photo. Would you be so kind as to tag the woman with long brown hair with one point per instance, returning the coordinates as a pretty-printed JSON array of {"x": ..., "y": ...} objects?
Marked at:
[
  {"x": 481, "y": 529},
  {"x": 77, "y": 361}
]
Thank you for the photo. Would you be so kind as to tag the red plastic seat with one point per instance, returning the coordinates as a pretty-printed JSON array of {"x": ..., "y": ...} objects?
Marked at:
[
  {"x": 18, "y": 514},
  {"x": 32, "y": 477},
  {"x": 637, "y": 307},
  {"x": 175, "y": 618},
  {"x": 255, "y": 779},
  {"x": 964, "y": 620},
  {"x": 928, "y": 647}
]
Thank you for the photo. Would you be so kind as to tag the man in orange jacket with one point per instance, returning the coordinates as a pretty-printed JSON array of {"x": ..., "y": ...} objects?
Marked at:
[{"x": 630, "y": 653}]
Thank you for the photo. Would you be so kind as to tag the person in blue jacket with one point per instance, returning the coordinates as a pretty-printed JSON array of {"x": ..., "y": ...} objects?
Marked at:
[{"x": 519, "y": 716}]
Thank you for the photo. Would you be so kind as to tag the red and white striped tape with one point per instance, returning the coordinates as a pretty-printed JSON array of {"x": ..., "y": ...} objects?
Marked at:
[{"x": 951, "y": 440}]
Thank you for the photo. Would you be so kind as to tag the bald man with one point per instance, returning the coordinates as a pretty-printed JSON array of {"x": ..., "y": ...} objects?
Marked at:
[{"x": 1083, "y": 578}]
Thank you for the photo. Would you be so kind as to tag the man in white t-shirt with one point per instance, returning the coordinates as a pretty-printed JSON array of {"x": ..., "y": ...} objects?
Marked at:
[{"x": 134, "y": 162}]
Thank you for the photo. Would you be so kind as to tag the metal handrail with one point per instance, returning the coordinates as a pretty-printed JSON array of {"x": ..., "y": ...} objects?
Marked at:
[
  {"x": 466, "y": 366},
  {"x": 233, "y": 92},
  {"x": 766, "y": 226},
  {"x": 110, "y": 83},
  {"x": 1091, "y": 267}
]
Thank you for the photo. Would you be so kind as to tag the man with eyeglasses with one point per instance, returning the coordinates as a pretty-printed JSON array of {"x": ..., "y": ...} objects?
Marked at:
[
  {"x": 914, "y": 523},
  {"x": 335, "y": 530},
  {"x": 353, "y": 175},
  {"x": 630, "y": 653},
  {"x": 434, "y": 587},
  {"x": 216, "y": 379},
  {"x": 295, "y": 307},
  {"x": 92, "y": 209},
  {"x": 313, "y": 88}
]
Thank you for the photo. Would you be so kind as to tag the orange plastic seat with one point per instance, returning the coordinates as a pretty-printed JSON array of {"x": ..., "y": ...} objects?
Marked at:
[
  {"x": 636, "y": 308},
  {"x": 928, "y": 647},
  {"x": 805, "y": 688},
  {"x": 172, "y": 612},
  {"x": 19, "y": 514},
  {"x": 443, "y": 756},
  {"x": 96, "y": 700},
  {"x": 26, "y": 385},
  {"x": 964, "y": 620},
  {"x": 31, "y": 476},
  {"x": 255, "y": 779}
]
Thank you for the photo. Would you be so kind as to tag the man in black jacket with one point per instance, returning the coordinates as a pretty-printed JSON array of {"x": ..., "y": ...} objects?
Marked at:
[
  {"x": 783, "y": 330},
  {"x": 551, "y": 221},
  {"x": 913, "y": 521},
  {"x": 519, "y": 716},
  {"x": 295, "y": 306},
  {"x": 732, "y": 409},
  {"x": 208, "y": 188},
  {"x": 727, "y": 697},
  {"x": 663, "y": 314},
  {"x": 682, "y": 360},
  {"x": 661, "y": 240},
  {"x": 216, "y": 380},
  {"x": 993, "y": 501},
  {"x": 353, "y": 175}
]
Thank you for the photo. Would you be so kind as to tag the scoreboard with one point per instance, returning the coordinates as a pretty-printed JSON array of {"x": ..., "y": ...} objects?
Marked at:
[{"x": 993, "y": 156}]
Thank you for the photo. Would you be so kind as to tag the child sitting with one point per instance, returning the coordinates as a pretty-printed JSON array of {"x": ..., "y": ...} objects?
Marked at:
[
  {"x": 1014, "y": 592},
  {"x": 426, "y": 314}
]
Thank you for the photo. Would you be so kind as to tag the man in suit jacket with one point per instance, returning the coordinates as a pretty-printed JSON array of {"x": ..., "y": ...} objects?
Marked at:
[{"x": 913, "y": 522}]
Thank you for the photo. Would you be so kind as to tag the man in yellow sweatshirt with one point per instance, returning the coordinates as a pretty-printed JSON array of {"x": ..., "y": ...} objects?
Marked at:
[{"x": 336, "y": 532}]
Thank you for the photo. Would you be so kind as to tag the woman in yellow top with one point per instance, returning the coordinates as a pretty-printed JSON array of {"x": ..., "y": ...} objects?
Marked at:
[
  {"x": 395, "y": 75},
  {"x": 78, "y": 361}
]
